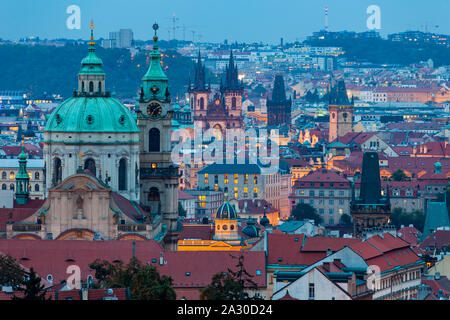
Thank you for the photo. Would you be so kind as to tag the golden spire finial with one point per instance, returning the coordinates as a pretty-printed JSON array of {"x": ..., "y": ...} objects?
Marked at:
[{"x": 92, "y": 27}]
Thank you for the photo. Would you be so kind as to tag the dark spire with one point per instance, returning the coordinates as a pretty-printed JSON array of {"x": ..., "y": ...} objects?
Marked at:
[
  {"x": 231, "y": 75},
  {"x": 199, "y": 75},
  {"x": 338, "y": 94},
  {"x": 278, "y": 93},
  {"x": 370, "y": 192}
]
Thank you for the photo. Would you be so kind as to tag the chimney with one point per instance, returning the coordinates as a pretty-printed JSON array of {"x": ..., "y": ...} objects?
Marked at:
[
  {"x": 351, "y": 285},
  {"x": 161, "y": 259},
  {"x": 326, "y": 266},
  {"x": 329, "y": 251}
]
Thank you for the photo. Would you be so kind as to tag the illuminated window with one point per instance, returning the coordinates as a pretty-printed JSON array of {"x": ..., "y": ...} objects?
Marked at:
[
  {"x": 206, "y": 178},
  {"x": 225, "y": 179},
  {"x": 246, "y": 178},
  {"x": 255, "y": 179},
  {"x": 11, "y": 175},
  {"x": 236, "y": 192},
  {"x": 255, "y": 192},
  {"x": 235, "y": 179},
  {"x": 216, "y": 187},
  {"x": 154, "y": 165}
]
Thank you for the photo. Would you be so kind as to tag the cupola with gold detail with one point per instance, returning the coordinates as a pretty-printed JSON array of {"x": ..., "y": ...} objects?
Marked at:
[{"x": 226, "y": 227}]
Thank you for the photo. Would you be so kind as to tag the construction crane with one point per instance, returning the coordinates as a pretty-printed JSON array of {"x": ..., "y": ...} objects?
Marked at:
[{"x": 174, "y": 20}]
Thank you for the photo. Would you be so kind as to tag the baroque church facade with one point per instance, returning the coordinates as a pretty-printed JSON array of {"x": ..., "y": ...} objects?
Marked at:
[{"x": 108, "y": 172}]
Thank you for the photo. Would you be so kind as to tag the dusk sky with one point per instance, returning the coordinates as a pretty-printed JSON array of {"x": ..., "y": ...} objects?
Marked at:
[{"x": 216, "y": 20}]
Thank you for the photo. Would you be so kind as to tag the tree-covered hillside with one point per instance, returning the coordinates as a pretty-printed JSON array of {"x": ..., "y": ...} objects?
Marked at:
[
  {"x": 40, "y": 69},
  {"x": 389, "y": 52}
]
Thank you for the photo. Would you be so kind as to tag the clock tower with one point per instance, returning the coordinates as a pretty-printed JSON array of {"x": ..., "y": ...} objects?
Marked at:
[{"x": 158, "y": 176}]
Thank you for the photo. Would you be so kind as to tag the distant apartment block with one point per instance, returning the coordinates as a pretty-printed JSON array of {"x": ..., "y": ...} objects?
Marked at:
[{"x": 119, "y": 39}]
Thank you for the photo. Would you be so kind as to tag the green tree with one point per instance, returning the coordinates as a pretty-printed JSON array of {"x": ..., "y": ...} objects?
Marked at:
[
  {"x": 399, "y": 175},
  {"x": 144, "y": 281},
  {"x": 32, "y": 288},
  {"x": 11, "y": 273},
  {"x": 181, "y": 211},
  {"x": 345, "y": 219},
  {"x": 231, "y": 285},
  {"x": 416, "y": 218},
  {"x": 305, "y": 211}
]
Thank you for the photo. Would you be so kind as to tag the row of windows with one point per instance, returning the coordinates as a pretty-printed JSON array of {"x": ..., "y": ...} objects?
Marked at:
[
  {"x": 235, "y": 177},
  {"x": 12, "y": 175},
  {"x": 11, "y": 187},
  {"x": 321, "y": 193},
  {"x": 90, "y": 165}
]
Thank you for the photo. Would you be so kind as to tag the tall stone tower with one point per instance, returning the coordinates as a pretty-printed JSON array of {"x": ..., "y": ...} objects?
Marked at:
[
  {"x": 232, "y": 90},
  {"x": 199, "y": 91},
  {"x": 279, "y": 107},
  {"x": 370, "y": 210},
  {"x": 158, "y": 175},
  {"x": 340, "y": 110}
]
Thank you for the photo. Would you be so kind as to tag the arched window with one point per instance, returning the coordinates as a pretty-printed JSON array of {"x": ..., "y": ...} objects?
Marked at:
[
  {"x": 99, "y": 86},
  {"x": 91, "y": 86},
  {"x": 202, "y": 103},
  {"x": 233, "y": 103},
  {"x": 153, "y": 195},
  {"x": 4, "y": 175},
  {"x": 82, "y": 86},
  {"x": 57, "y": 174},
  {"x": 11, "y": 186},
  {"x": 123, "y": 174},
  {"x": 89, "y": 164},
  {"x": 4, "y": 186},
  {"x": 36, "y": 187},
  {"x": 153, "y": 140},
  {"x": 36, "y": 175}
]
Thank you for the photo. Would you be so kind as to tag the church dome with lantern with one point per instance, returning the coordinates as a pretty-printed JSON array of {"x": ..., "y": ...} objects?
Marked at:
[
  {"x": 226, "y": 211},
  {"x": 94, "y": 131}
]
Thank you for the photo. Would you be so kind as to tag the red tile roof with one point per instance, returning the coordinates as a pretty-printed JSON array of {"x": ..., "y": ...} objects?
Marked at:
[
  {"x": 187, "y": 269},
  {"x": 440, "y": 238},
  {"x": 322, "y": 244},
  {"x": 18, "y": 214},
  {"x": 386, "y": 252},
  {"x": 324, "y": 176},
  {"x": 410, "y": 235},
  {"x": 197, "y": 231},
  {"x": 443, "y": 283}
]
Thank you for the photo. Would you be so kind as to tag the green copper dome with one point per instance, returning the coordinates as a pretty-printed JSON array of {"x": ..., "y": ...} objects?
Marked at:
[
  {"x": 226, "y": 211},
  {"x": 91, "y": 111},
  {"x": 91, "y": 114}
]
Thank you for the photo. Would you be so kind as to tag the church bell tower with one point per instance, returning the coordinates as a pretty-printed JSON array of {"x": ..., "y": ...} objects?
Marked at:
[{"x": 157, "y": 174}]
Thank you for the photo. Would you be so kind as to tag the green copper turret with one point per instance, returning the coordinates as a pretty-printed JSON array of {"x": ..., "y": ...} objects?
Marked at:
[
  {"x": 22, "y": 179},
  {"x": 155, "y": 82}
]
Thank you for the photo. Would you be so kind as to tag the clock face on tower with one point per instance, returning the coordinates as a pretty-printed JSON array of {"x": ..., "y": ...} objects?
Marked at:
[{"x": 154, "y": 109}]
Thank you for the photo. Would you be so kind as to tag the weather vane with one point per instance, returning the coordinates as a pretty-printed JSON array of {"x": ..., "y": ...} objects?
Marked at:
[{"x": 155, "y": 27}]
